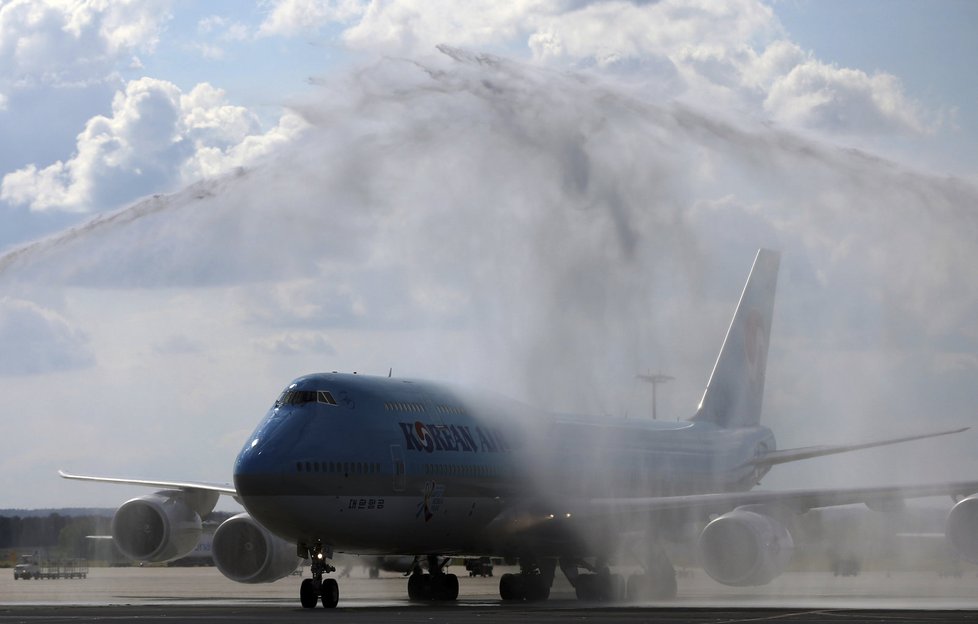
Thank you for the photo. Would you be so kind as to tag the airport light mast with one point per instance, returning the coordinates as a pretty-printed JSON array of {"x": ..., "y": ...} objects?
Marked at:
[{"x": 655, "y": 380}]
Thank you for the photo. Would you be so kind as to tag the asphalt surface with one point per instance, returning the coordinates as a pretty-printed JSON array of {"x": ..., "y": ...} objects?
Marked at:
[
  {"x": 203, "y": 595},
  {"x": 464, "y": 615}
]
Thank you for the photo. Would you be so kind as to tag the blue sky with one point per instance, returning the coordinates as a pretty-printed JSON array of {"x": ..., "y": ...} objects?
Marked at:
[
  {"x": 922, "y": 44},
  {"x": 201, "y": 201},
  {"x": 263, "y": 57}
]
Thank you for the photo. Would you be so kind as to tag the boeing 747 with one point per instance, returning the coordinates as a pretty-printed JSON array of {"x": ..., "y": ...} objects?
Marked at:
[{"x": 380, "y": 466}]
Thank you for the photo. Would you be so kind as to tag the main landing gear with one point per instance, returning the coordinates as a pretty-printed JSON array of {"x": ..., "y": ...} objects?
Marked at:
[
  {"x": 312, "y": 589},
  {"x": 436, "y": 585},
  {"x": 599, "y": 584},
  {"x": 659, "y": 579},
  {"x": 532, "y": 583},
  {"x": 657, "y": 583}
]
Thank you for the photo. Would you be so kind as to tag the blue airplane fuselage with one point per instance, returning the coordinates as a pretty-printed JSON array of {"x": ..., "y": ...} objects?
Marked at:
[{"x": 378, "y": 465}]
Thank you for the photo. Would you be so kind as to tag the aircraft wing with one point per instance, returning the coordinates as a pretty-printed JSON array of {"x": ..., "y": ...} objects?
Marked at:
[
  {"x": 784, "y": 456},
  {"x": 566, "y": 522},
  {"x": 219, "y": 488},
  {"x": 797, "y": 501}
]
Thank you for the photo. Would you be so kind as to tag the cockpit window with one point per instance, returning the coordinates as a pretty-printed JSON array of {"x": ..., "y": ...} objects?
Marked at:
[{"x": 293, "y": 396}]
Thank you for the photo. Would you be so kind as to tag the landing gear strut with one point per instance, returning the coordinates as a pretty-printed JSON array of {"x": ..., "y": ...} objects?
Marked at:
[
  {"x": 436, "y": 585},
  {"x": 312, "y": 589}
]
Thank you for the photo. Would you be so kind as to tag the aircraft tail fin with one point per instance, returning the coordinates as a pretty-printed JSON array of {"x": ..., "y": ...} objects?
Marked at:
[{"x": 735, "y": 392}]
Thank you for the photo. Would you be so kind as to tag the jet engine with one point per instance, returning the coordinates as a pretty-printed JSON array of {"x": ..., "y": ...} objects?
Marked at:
[
  {"x": 162, "y": 526},
  {"x": 745, "y": 548},
  {"x": 246, "y": 552},
  {"x": 961, "y": 530}
]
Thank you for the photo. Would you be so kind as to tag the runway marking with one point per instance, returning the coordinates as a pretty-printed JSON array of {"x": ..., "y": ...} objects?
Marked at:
[{"x": 781, "y": 616}]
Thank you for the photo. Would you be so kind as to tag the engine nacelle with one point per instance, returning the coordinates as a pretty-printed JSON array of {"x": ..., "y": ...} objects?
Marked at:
[
  {"x": 961, "y": 529},
  {"x": 246, "y": 552},
  {"x": 745, "y": 548},
  {"x": 156, "y": 528}
]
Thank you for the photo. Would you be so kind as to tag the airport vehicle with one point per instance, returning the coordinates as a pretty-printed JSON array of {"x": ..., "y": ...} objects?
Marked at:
[
  {"x": 382, "y": 466},
  {"x": 29, "y": 567},
  {"x": 479, "y": 566}
]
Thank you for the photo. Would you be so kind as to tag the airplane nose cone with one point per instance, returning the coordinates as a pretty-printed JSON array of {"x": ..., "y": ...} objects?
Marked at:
[
  {"x": 262, "y": 458},
  {"x": 247, "y": 467}
]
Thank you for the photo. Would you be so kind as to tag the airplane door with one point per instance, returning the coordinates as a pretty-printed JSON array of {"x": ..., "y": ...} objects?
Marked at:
[{"x": 397, "y": 456}]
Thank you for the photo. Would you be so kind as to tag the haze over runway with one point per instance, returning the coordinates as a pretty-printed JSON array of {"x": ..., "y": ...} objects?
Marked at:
[{"x": 539, "y": 207}]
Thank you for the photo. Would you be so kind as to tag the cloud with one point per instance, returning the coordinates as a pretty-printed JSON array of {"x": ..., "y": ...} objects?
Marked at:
[
  {"x": 294, "y": 344},
  {"x": 560, "y": 218},
  {"x": 295, "y": 17},
  {"x": 156, "y": 138},
  {"x": 178, "y": 345},
  {"x": 732, "y": 55},
  {"x": 38, "y": 340},
  {"x": 222, "y": 31},
  {"x": 46, "y": 42},
  {"x": 843, "y": 101}
]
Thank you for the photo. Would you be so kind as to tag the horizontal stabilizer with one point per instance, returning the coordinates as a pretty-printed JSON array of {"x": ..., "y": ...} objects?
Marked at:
[{"x": 789, "y": 455}]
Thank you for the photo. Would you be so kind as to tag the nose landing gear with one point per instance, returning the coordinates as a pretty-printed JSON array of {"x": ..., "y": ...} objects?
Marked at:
[{"x": 316, "y": 588}]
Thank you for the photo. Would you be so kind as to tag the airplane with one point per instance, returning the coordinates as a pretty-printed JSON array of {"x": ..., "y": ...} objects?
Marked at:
[{"x": 347, "y": 463}]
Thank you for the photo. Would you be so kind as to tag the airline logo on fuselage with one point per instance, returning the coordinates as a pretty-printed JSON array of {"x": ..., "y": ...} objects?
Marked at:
[
  {"x": 429, "y": 437},
  {"x": 755, "y": 345}
]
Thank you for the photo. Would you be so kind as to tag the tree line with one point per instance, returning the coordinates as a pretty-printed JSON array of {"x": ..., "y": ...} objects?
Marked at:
[
  {"x": 62, "y": 536},
  {"x": 57, "y": 534}
]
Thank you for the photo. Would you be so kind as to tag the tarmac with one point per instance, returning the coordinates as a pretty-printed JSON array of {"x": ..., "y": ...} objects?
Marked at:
[{"x": 204, "y": 595}]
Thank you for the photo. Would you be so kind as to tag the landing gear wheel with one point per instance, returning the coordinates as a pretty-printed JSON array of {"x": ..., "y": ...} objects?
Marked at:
[
  {"x": 647, "y": 587},
  {"x": 445, "y": 587},
  {"x": 616, "y": 588},
  {"x": 509, "y": 587},
  {"x": 424, "y": 587},
  {"x": 659, "y": 580},
  {"x": 331, "y": 593},
  {"x": 531, "y": 587},
  {"x": 586, "y": 587},
  {"x": 599, "y": 587},
  {"x": 659, "y": 583},
  {"x": 537, "y": 589},
  {"x": 308, "y": 595},
  {"x": 419, "y": 586}
]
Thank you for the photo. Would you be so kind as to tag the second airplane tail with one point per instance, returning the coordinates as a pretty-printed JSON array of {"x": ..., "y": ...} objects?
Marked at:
[{"x": 735, "y": 392}]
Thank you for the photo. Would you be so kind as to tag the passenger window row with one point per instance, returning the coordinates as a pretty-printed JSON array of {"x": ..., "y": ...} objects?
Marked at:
[
  {"x": 450, "y": 409},
  {"x": 403, "y": 406},
  {"x": 344, "y": 468},
  {"x": 460, "y": 470},
  {"x": 407, "y": 406}
]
